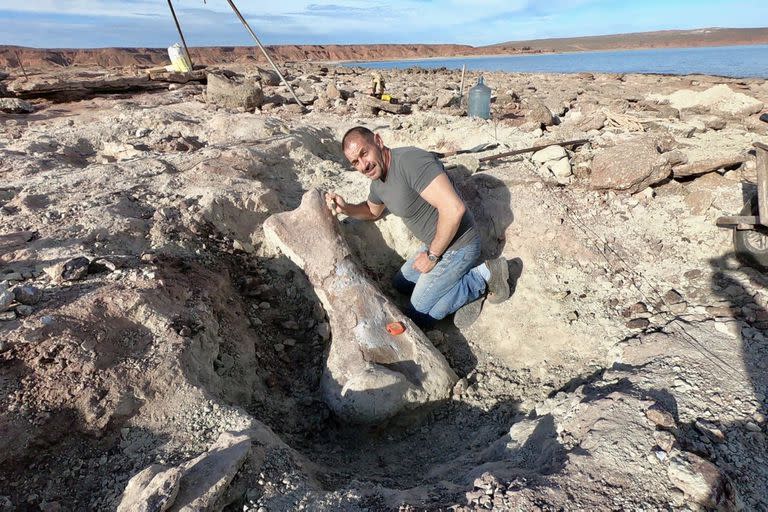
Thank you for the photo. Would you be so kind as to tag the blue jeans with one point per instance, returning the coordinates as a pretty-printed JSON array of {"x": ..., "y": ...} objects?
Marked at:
[{"x": 452, "y": 283}]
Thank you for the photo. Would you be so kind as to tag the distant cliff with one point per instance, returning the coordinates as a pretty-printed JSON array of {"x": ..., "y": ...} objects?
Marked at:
[{"x": 13, "y": 57}]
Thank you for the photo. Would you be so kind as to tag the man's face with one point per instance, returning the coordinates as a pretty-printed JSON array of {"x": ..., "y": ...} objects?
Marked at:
[{"x": 367, "y": 156}]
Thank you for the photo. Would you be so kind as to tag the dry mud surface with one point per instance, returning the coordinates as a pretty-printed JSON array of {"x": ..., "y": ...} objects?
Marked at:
[{"x": 148, "y": 327}]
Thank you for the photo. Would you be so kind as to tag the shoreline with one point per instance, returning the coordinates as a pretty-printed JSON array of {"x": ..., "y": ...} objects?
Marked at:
[{"x": 544, "y": 52}]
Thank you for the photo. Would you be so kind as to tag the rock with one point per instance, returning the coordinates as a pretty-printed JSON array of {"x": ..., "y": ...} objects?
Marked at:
[
  {"x": 24, "y": 311},
  {"x": 664, "y": 439},
  {"x": 632, "y": 167},
  {"x": 269, "y": 77},
  {"x": 28, "y": 294},
  {"x": 294, "y": 108},
  {"x": 549, "y": 154},
  {"x": 699, "y": 479},
  {"x": 714, "y": 123},
  {"x": 197, "y": 485},
  {"x": 593, "y": 121},
  {"x": 672, "y": 297},
  {"x": 205, "y": 479},
  {"x": 246, "y": 247},
  {"x": 660, "y": 417},
  {"x": 224, "y": 363},
  {"x": 370, "y": 375},
  {"x": 6, "y": 298},
  {"x": 234, "y": 93},
  {"x": 719, "y": 98},
  {"x": 638, "y": 323},
  {"x": 460, "y": 387},
  {"x": 539, "y": 114},
  {"x": 446, "y": 99},
  {"x": 154, "y": 489},
  {"x": 88, "y": 345},
  {"x": 375, "y": 104},
  {"x": 560, "y": 168},
  {"x": 74, "y": 269},
  {"x": 80, "y": 82},
  {"x": 324, "y": 331},
  {"x": 708, "y": 165},
  {"x": 732, "y": 329},
  {"x": 15, "y": 106},
  {"x": 635, "y": 309},
  {"x": 332, "y": 92},
  {"x": 710, "y": 430},
  {"x": 676, "y": 157}
]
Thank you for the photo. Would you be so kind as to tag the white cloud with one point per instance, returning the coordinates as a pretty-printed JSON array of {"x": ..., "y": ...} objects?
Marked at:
[{"x": 476, "y": 22}]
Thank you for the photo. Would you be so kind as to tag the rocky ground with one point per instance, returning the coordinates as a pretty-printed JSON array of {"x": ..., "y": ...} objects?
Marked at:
[{"x": 149, "y": 334}]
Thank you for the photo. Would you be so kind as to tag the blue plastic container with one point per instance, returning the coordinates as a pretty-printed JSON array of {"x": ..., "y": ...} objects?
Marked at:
[{"x": 479, "y": 102}]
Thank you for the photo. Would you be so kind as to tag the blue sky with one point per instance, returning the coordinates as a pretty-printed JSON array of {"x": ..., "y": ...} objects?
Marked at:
[{"x": 147, "y": 23}]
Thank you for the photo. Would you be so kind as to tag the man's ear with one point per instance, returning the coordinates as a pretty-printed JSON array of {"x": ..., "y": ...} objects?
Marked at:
[{"x": 377, "y": 140}]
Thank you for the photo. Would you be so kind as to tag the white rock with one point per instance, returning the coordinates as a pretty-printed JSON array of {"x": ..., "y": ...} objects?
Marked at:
[
  {"x": 561, "y": 168},
  {"x": 549, "y": 154}
]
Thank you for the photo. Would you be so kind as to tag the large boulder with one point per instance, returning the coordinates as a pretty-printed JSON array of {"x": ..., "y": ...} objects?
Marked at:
[
  {"x": 631, "y": 166},
  {"x": 370, "y": 374},
  {"x": 199, "y": 484},
  {"x": 699, "y": 479},
  {"x": 15, "y": 106},
  {"x": 719, "y": 99},
  {"x": 234, "y": 93},
  {"x": 151, "y": 490}
]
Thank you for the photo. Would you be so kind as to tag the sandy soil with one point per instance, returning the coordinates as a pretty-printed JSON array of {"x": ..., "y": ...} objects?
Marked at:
[{"x": 143, "y": 314}]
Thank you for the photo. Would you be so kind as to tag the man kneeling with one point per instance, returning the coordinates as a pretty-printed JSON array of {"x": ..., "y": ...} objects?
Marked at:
[{"x": 444, "y": 276}]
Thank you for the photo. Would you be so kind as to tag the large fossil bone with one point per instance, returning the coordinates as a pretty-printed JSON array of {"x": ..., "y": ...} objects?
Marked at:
[{"x": 370, "y": 374}]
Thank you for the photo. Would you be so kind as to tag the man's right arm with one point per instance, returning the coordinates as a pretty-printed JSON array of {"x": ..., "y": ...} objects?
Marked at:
[{"x": 362, "y": 211}]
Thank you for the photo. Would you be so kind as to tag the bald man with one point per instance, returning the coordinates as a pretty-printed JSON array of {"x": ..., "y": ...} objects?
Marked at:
[{"x": 444, "y": 276}]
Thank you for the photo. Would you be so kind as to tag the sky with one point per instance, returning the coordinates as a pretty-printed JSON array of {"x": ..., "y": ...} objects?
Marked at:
[{"x": 148, "y": 23}]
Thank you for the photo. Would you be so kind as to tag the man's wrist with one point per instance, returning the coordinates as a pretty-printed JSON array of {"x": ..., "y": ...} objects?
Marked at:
[{"x": 433, "y": 256}]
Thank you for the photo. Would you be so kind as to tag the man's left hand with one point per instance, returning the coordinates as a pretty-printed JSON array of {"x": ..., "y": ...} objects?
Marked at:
[{"x": 422, "y": 263}]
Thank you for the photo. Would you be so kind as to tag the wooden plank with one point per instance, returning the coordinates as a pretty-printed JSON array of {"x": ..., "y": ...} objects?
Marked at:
[
  {"x": 732, "y": 221},
  {"x": 762, "y": 183}
]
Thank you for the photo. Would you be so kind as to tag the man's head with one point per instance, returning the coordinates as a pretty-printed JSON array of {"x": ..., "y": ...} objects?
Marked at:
[{"x": 366, "y": 152}]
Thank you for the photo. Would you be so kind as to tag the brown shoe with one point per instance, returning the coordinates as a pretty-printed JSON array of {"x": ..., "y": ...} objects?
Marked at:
[
  {"x": 498, "y": 284},
  {"x": 468, "y": 313}
]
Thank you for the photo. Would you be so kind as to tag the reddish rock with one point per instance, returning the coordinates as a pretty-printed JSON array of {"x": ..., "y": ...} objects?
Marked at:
[{"x": 631, "y": 167}]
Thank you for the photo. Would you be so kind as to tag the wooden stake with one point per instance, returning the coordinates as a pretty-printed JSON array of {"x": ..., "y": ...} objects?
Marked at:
[{"x": 461, "y": 88}]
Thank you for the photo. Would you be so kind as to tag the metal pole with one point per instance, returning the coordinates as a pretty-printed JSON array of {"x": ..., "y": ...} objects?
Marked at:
[
  {"x": 577, "y": 142},
  {"x": 178, "y": 27},
  {"x": 245, "y": 24}
]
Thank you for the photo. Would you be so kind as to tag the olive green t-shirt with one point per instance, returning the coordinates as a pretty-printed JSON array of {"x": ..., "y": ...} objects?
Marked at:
[{"x": 410, "y": 172}]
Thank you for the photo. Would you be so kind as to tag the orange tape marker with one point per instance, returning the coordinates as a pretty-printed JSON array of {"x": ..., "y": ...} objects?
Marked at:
[{"x": 395, "y": 328}]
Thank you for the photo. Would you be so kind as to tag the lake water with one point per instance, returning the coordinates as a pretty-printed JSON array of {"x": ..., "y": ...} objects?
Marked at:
[{"x": 733, "y": 61}]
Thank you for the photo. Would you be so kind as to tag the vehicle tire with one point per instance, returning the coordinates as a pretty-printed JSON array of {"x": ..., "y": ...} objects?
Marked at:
[{"x": 751, "y": 245}]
